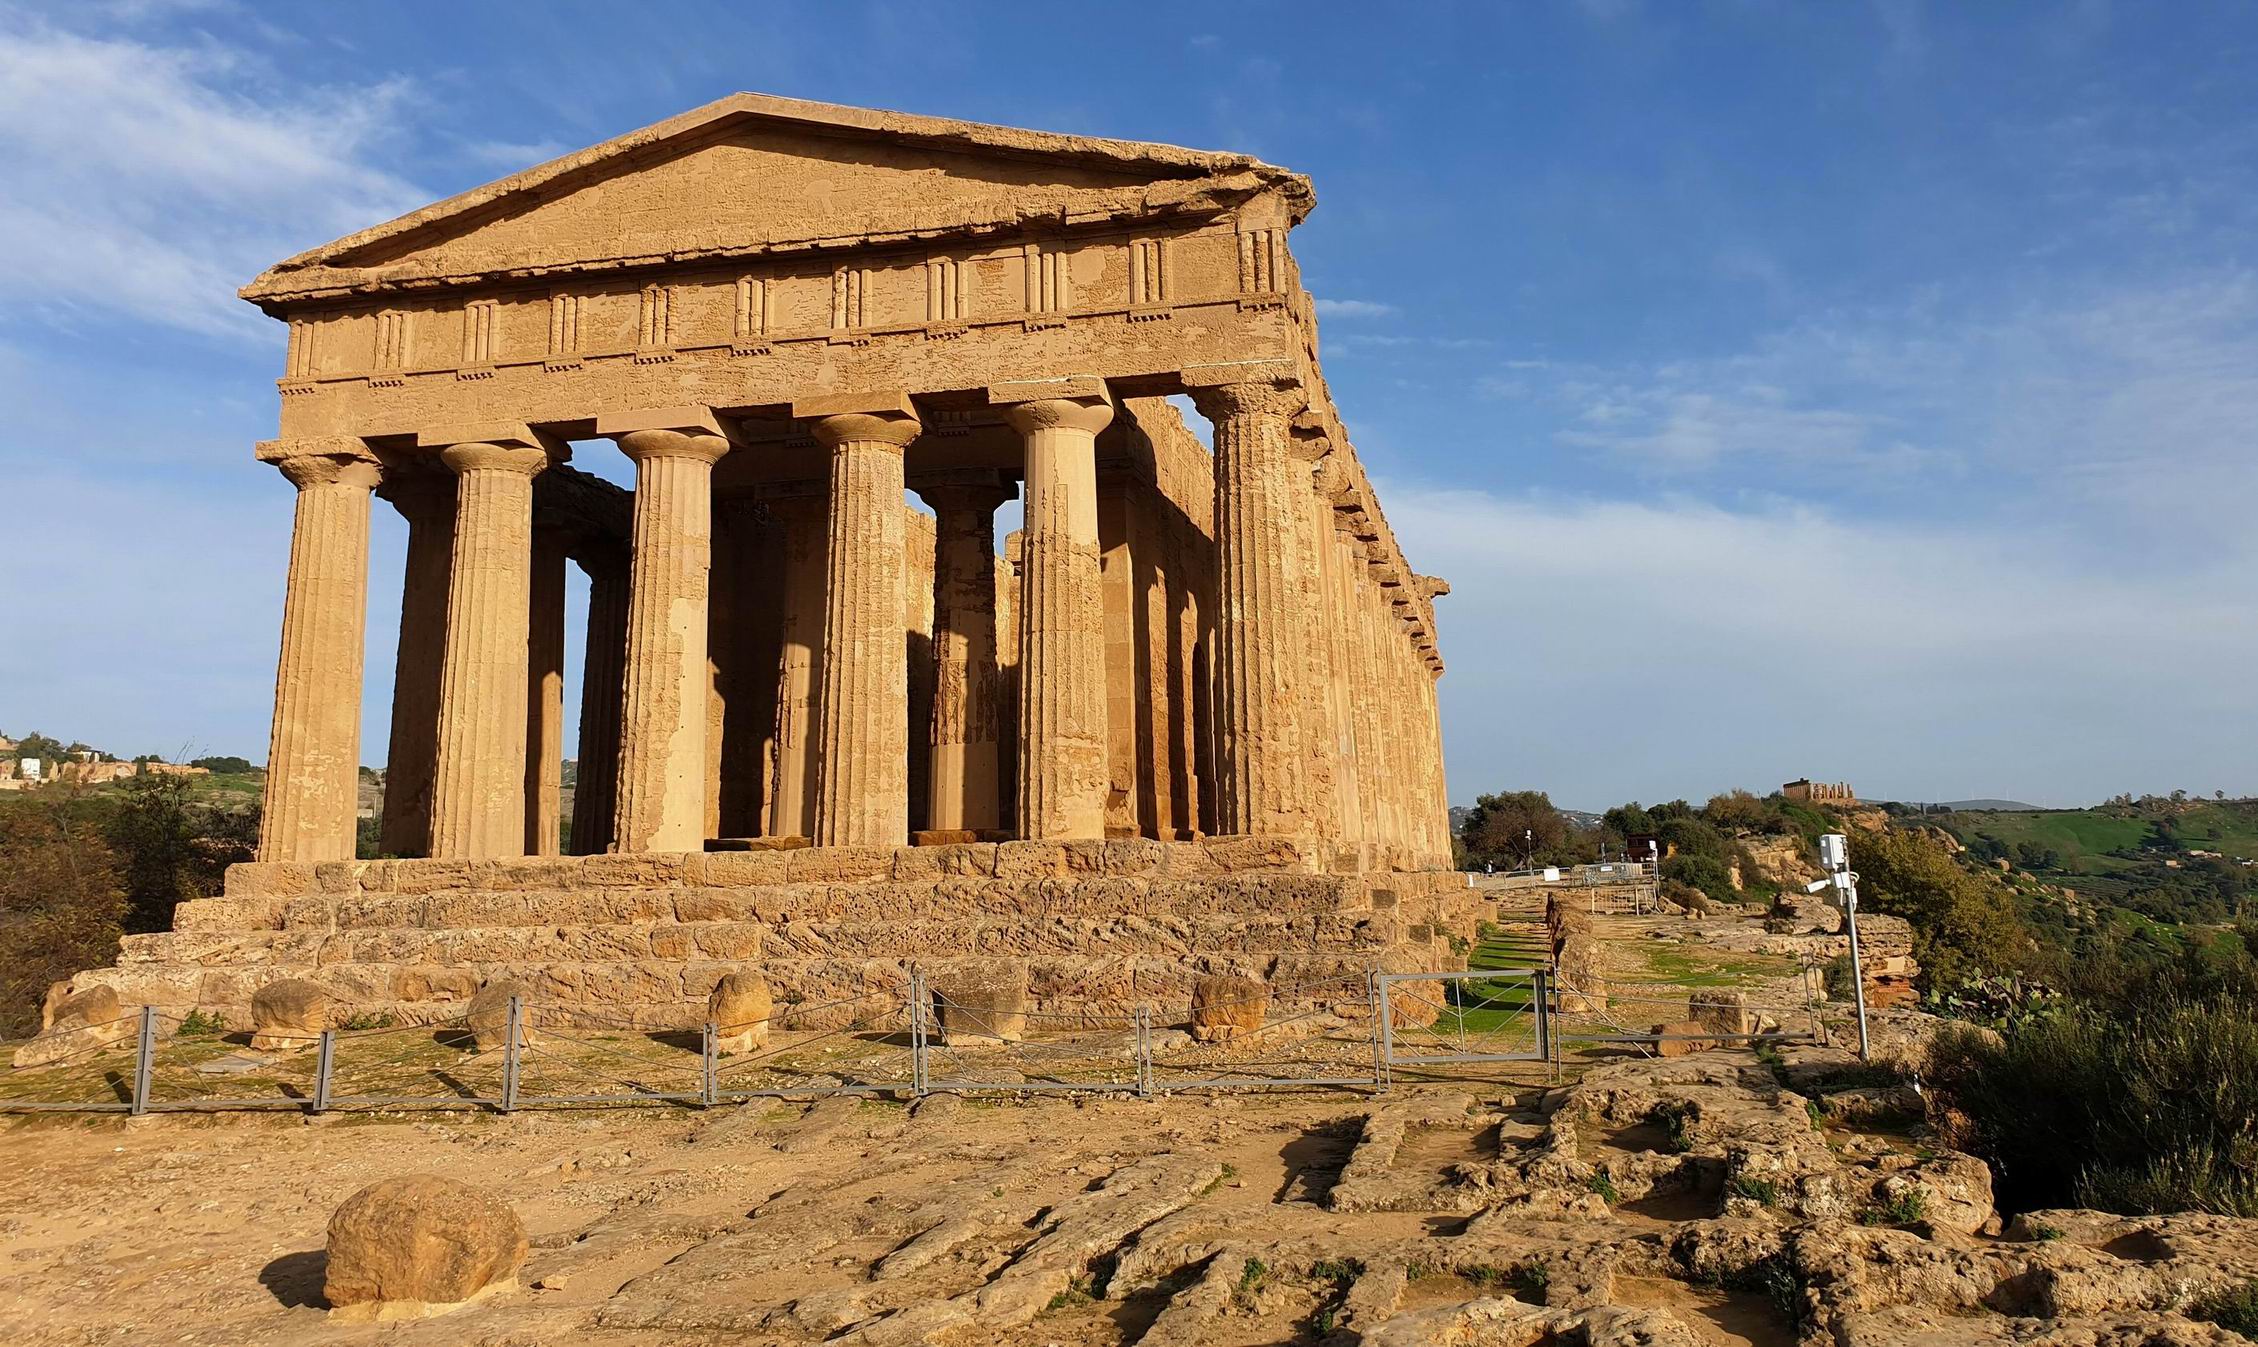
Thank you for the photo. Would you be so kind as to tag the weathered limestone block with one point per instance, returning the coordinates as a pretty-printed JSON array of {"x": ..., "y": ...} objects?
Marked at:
[
  {"x": 1575, "y": 958},
  {"x": 838, "y": 864},
  {"x": 1248, "y": 852},
  {"x": 269, "y": 879},
  {"x": 489, "y": 1015},
  {"x": 1679, "y": 1038},
  {"x": 1721, "y": 1012},
  {"x": 71, "y": 1023},
  {"x": 967, "y": 858},
  {"x": 288, "y": 1015},
  {"x": 417, "y": 1245},
  {"x": 987, "y": 1000},
  {"x": 745, "y": 869},
  {"x": 739, "y": 1011},
  {"x": 1225, "y": 1006},
  {"x": 647, "y": 869}
]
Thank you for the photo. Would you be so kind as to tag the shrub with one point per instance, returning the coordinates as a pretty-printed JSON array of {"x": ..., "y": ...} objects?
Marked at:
[
  {"x": 2234, "y": 1309},
  {"x": 1763, "y": 1192},
  {"x": 2146, "y": 1104},
  {"x": 1602, "y": 1184}
]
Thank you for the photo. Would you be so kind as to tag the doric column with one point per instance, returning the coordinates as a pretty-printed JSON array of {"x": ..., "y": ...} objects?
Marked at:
[
  {"x": 595, "y": 797},
  {"x": 544, "y": 696},
  {"x": 426, "y": 500},
  {"x": 862, "y": 792},
  {"x": 745, "y": 624},
  {"x": 803, "y": 509},
  {"x": 1063, "y": 768},
  {"x": 1331, "y": 616},
  {"x": 1321, "y": 738},
  {"x": 1260, "y": 667},
  {"x": 1363, "y": 694},
  {"x": 313, "y": 756},
  {"x": 478, "y": 792},
  {"x": 967, "y": 700},
  {"x": 662, "y": 756}
]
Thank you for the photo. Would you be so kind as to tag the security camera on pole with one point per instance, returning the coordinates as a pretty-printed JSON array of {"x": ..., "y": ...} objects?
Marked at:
[{"x": 1834, "y": 857}]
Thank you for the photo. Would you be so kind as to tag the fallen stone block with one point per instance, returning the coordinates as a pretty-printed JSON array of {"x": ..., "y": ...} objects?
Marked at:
[
  {"x": 418, "y": 1245},
  {"x": 739, "y": 1011},
  {"x": 72, "y": 1023},
  {"x": 489, "y": 1015},
  {"x": 288, "y": 1014},
  {"x": 980, "y": 1001},
  {"x": 1225, "y": 1005}
]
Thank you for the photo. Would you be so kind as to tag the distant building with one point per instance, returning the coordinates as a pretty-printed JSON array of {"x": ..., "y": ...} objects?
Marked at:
[{"x": 1808, "y": 791}]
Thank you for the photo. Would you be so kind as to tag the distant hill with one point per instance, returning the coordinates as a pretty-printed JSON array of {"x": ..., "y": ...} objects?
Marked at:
[{"x": 1994, "y": 806}]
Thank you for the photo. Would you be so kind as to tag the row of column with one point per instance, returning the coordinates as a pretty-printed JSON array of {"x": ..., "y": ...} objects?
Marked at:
[
  {"x": 496, "y": 664},
  {"x": 1324, "y": 712}
]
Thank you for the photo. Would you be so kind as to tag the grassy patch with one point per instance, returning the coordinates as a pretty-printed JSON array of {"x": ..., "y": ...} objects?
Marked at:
[
  {"x": 1910, "y": 1207},
  {"x": 1602, "y": 1184},
  {"x": 2234, "y": 1309},
  {"x": 1763, "y": 1192}
]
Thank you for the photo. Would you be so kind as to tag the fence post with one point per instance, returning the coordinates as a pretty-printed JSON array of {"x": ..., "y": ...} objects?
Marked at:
[
  {"x": 1372, "y": 1003},
  {"x": 325, "y": 1059},
  {"x": 709, "y": 1083},
  {"x": 509, "y": 1058},
  {"x": 917, "y": 1032},
  {"x": 1387, "y": 1032},
  {"x": 144, "y": 1060}
]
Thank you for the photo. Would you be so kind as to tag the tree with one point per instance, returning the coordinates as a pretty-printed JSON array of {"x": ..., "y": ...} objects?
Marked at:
[
  {"x": 1964, "y": 921},
  {"x": 223, "y": 764},
  {"x": 1740, "y": 809},
  {"x": 1516, "y": 828},
  {"x": 170, "y": 850},
  {"x": 61, "y": 902}
]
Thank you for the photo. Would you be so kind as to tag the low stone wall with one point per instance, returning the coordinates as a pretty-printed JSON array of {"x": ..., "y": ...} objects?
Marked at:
[{"x": 1101, "y": 926}]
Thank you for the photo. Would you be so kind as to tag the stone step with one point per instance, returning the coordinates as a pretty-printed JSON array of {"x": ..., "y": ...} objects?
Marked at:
[
  {"x": 777, "y": 904},
  {"x": 672, "y": 994},
  {"x": 1181, "y": 937}
]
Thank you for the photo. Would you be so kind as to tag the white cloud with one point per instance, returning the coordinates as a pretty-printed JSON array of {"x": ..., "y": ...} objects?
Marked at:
[
  {"x": 152, "y": 181},
  {"x": 1605, "y": 649},
  {"x": 1353, "y": 308}
]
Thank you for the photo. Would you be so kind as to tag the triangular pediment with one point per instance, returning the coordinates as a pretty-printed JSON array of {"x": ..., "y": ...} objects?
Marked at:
[{"x": 752, "y": 175}]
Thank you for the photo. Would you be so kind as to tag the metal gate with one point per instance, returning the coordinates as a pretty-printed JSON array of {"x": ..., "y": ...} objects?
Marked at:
[{"x": 1490, "y": 1015}]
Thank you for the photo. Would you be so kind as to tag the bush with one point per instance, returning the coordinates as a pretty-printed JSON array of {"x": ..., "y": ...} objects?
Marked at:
[
  {"x": 2234, "y": 1309},
  {"x": 2146, "y": 1104},
  {"x": 1964, "y": 922}
]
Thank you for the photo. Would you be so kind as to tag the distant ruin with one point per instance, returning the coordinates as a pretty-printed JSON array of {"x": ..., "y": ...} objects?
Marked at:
[{"x": 1807, "y": 791}]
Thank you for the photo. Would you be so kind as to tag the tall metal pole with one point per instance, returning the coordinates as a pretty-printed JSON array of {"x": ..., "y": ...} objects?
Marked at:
[{"x": 1857, "y": 965}]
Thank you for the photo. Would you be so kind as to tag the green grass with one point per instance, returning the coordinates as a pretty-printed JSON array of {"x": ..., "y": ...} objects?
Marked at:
[{"x": 1678, "y": 966}]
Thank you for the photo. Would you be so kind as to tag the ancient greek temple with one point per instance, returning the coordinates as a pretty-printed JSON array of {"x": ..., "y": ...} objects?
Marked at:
[{"x": 834, "y": 343}]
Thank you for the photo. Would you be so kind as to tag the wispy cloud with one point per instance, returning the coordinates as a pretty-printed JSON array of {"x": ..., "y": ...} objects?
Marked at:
[
  {"x": 146, "y": 181},
  {"x": 1353, "y": 308},
  {"x": 1784, "y": 640}
]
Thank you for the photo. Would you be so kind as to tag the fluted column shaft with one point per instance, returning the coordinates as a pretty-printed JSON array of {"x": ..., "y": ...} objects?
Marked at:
[
  {"x": 967, "y": 702},
  {"x": 1259, "y": 667},
  {"x": 1063, "y": 767},
  {"x": 662, "y": 758},
  {"x": 544, "y": 697},
  {"x": 1332, "y": 791},
  {"x": 603, "y": 673},
  {"x": 1336, "y": 617},
  {"x": 313, "y": 754},
  {"x": 427, "y": 502},
  {"x": 1364, "y": 692},
  {"x": 862, "y": 793},
  {"x": 799, "y": 676},
  {"x": 478, "y": 793}
]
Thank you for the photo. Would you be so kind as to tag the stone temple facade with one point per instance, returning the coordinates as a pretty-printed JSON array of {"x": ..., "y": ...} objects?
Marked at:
[{"x": 823, "y": 728}]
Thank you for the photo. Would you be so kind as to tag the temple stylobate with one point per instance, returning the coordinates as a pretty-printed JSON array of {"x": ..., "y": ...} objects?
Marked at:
[{"x": 833, "y": 343}]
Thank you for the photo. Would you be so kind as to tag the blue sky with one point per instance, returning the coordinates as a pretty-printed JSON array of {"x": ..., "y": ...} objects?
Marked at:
[{"x": 1861, "y": 391}]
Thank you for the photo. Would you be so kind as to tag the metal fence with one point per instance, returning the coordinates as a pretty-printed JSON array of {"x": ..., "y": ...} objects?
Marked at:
[{"x": 1360, "y": 1031}]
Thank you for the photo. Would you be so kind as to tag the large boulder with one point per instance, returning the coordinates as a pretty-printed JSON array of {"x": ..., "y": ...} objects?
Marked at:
[
  {"x": 489, "y": 1015},
  {"x": 1225, "y": 1005},
  {"x": 288, "y": 1014},
  {"x": 418, "y": 1244},
  {"x": 983, "y": 1001},
  {"x": 1680, "y": 1038},
  {"x": 72, "y": 1023},
  {"x": 739, "y": 1011}
]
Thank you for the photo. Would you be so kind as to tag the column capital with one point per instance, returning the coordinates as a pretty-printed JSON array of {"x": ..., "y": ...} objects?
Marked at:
[
  {"x": 418, "y": 490},
  {"x": 323, "y": 460},
  {"x": 667, "y": 432},
  {"x": 893, "y": 430},
  {"x": 486, "y": 456},
  {"x": 508, "y": 434},
  {"x": 1249, "y": 397},
  {"x": 1080, "y": 402},
  {"x": 964, "y": 488}
]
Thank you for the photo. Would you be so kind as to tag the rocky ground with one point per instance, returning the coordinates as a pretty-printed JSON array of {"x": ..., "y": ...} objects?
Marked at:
[{"x": 1718, "y": 1198}]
